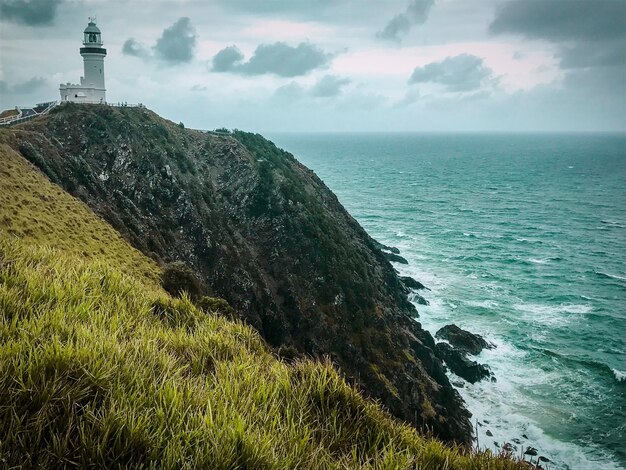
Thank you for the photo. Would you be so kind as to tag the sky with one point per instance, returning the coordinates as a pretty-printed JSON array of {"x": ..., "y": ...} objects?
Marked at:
[{"x": 334, "y": 65}]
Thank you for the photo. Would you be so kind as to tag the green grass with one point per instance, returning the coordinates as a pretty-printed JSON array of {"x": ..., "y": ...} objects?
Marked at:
[{"x": 100, "y": 368}]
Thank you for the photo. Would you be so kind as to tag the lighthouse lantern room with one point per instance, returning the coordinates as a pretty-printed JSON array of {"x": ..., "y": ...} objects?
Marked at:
[{"x": 91, "y": 88}]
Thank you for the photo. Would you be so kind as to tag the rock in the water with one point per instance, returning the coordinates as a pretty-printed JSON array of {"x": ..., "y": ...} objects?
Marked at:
[
  {"x": 464, "y": 340},
  {"x": 458, "y": 363},
  {"x": 508, "y": 447},
  {"x": 489, "y": 433},
  {"x": 395, "y": 258},
  {"x": 531, "y": 451},
  {"x": 419, "y": 299},
  {"x": 544, "y": 459},
  {"x": 412, "y": 284},
  {"x": 382, "y": 247}
]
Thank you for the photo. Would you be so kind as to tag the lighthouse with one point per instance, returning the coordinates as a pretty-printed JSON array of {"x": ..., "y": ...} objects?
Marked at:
[{"x": 91, "y": 88}]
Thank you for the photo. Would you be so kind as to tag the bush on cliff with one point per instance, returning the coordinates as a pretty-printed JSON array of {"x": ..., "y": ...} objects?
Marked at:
[{"x": 178, "y": 279}]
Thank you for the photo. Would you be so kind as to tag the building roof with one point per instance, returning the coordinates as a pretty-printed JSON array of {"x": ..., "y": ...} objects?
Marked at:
[{"x": 92, "y": 28}]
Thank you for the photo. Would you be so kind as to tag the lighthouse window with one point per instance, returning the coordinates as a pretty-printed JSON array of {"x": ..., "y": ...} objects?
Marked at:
[{"x": 92, "y": 37}]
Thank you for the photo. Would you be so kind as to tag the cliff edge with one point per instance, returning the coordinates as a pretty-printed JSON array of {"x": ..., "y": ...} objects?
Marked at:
[{"x": 263, "y": 232}]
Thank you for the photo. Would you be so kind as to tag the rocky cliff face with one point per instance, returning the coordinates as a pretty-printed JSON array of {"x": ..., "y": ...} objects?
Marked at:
[{"x": 263, "y": 232}]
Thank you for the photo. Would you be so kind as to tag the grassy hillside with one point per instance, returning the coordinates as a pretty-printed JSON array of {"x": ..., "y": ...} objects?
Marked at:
[{"x": 98, "y": 367}]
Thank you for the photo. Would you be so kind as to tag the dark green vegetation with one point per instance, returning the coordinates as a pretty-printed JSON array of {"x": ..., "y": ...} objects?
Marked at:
[
  {"x": 262, "y": 232},
  {"x": 100, "y": 368}
]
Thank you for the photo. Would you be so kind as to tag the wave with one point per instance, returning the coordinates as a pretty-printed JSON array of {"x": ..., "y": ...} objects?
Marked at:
[
  {"x": 553, "y": 315},
  {"x": 487, "y": 304},
  {"x": 619, "y": 375},
  {"x": 529, "y": 240},
  {"x": 563, "y": 308},
  {"x": 613, "y": 223},
  {"x": 598, "y": 366},
  {"x": 610, "y": 276}
]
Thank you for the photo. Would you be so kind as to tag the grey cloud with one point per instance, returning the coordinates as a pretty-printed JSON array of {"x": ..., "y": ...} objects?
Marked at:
[
  {"x": 23, "y": 88},
  {"x": 289, "y": 93},
  {"x": 177, "y": 43},
  {"x": 590, "y": 33},
  {"x": 278, "y": 6},
  {"x": 175, "y": 46},
  {"x": 30, "y": 12},
  {"x": 459, "y": 73},
  {"x": 226, "y": 59},
  {"x": 561, "y": 20},
  {"x": 415, "y": 14},
  {"x": 133, "y": 48},
  {"x": 29, "y": 85},
  {"x": 411, "y": 97},
  {"x": 329, "y": 86},
  {"x": 586, "y": 54},
  {"x": 278, "y": 59}
]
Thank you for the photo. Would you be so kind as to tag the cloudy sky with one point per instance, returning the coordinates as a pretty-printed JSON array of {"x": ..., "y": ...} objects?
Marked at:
[{"x": 334, "y": 65}]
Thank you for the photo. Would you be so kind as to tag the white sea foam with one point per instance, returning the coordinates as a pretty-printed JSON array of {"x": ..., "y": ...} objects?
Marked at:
[
  {"x": 483, "y": 304},
  {"x": 539, "y": 260},
  {"x": 619, "y": 375},
  {"x": 551, "y": 314}
]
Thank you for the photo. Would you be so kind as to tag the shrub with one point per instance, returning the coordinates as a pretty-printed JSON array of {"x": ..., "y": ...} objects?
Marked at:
[
  {"x": 177, "y": 278},
  {"x": 216, "y": 305}
]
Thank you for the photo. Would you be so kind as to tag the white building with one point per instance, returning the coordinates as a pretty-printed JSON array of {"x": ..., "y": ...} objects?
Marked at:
[{"x": 91, "y": 88}]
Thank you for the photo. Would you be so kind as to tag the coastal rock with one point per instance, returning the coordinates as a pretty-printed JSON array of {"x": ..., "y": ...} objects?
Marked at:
[
  {"x": 463, "y": 339},
  {"x": 419, "y": 299},
  {"x": 531, "y": 451},
  {"x": 382, "y": 247},
  {"x": 412, "y": 284},
  {"x": 458, "y": 363},
  {"x": 395, "y": 258}
]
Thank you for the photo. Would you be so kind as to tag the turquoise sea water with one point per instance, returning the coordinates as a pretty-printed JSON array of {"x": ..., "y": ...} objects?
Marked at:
[{"x": 522, "y": 238}]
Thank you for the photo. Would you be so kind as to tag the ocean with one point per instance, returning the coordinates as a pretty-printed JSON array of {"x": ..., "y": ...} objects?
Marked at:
[{"x": 522, "y": 239}]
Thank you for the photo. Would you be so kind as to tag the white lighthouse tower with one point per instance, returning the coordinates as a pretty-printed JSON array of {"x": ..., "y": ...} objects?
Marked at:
[{"x": 91, "y": 88}]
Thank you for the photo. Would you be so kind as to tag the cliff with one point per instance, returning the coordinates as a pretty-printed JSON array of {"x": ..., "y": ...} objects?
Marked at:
[{"x": 261, "y": 231}]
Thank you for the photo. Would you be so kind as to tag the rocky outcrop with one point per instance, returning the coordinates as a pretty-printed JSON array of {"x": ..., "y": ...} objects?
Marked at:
[
  {"x": 412, "y": 284},
  {"x": 383, "y": 247},
  {"x": 463, "y": 339},
  {"x": 261, "y": 231},
  {"x": 458, "y": 363},
  {"x": 395, "y": 258}
]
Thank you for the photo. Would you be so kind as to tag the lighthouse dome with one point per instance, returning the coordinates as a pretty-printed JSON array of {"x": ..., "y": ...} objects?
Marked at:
[{"x": 92, "y": 28}]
